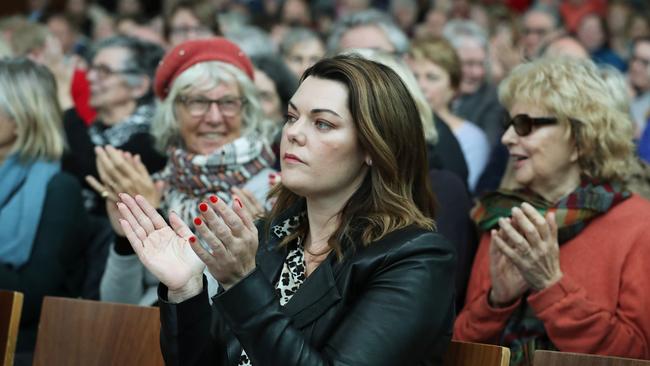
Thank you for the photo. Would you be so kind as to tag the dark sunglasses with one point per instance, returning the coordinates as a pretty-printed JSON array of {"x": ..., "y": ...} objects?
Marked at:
[{"x": 524, "y": 123}]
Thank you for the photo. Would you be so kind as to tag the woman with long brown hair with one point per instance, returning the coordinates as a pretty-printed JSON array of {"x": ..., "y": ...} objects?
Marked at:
[{"x": 346, "y": 269}]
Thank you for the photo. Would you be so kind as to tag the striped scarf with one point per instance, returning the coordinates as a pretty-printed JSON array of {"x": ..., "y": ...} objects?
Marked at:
[
  {"x": 524, "y": 332},
  {"x": 192, "y": 178}
]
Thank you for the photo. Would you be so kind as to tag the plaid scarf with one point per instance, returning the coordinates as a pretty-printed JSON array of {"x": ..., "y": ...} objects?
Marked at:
[
  {"x": 192, "y": 178},
  {"x": 524, "y": 332},
  {"x": 120, "y": 133}
]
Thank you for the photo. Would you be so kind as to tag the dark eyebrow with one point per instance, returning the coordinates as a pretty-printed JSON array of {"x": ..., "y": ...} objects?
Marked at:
[{"x": 317, "y": 110}]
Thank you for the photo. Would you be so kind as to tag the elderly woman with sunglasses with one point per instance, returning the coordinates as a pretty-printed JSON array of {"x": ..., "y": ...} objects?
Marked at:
[
  {"x": 209, "y": 124},
  {"x": 562, "y": 259}
]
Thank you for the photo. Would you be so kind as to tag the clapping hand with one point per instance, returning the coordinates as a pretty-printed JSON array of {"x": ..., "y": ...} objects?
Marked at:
[
  {"x": 163, "y": 249},
  {"x": 507, "y": 282},
  {"x": 529, "y": 240},
  {"x": 231, "y": 237},
  {"x": 122, "y": 172}
]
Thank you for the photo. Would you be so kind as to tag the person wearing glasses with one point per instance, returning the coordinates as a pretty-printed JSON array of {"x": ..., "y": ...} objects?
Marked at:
[
  {"x": 345, "y": 270},
  {"x": 210, "y": 124},
  {"x": 190, "y": 19},
  {"x": 563, "y": 254},
  {"x": 120, "y": 74}
]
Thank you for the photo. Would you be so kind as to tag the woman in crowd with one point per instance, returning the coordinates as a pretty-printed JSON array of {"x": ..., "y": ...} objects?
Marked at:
[
  {"x": 42, "y": 218},
  {"x": 346, "y": 257},
  {"x": 120, "y": 76},
  {"x": 562, "y": 258},
  {"x": 208, "y": 123},
  {"x": 188, "y": 20},
  {"x": 437, "y": 69},
  {"x": 301, "y": 48},
  {"x": 275, "y": 85},
  {"x": 454, "y": 202}
]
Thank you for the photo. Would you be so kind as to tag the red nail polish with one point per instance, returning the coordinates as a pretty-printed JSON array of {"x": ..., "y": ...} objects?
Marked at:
[
  {"x": 203, "y": 207},
  {"x": 192, "y": 239},
  {"x": 239, "y": 202},
  {"x": 214, "y": 199},
  {"x": 197, "y": 221}
]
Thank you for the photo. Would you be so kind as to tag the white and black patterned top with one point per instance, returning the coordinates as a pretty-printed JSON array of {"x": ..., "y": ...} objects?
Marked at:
[{"x": 291, "y": 277}]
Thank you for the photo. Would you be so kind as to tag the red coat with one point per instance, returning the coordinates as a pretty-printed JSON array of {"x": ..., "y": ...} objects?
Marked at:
[{"x": 602, "y": 303}]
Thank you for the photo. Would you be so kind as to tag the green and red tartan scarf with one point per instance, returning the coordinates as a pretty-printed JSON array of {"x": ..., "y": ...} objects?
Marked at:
[
  {"x": 524, "y": 332},
  {"x": 572, "y": 212}
]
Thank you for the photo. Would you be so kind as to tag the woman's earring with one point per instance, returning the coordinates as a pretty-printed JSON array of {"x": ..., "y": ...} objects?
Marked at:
[{"x": 369, "y": 162}]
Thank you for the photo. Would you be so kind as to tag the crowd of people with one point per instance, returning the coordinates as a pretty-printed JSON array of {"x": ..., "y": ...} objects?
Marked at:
[{"x": 311, "y": 182}]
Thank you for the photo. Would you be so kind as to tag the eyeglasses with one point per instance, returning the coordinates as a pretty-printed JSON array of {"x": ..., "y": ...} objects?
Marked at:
[
  {"x": 540, "y": 32},
  {"x": 185, "y": 30},
  {"x": 645, "y": 62},
  {"x": 524, "y": 123},
  {"x": 198, "y": 106},
  {"x": 103, "y": 71}
]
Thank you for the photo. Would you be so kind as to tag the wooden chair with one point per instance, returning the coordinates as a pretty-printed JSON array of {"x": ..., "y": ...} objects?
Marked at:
[
  {"x": 82, "y": 332},
  {"x": 475, "y": 354},
  {"x": 11, "y": 307},
  {"x": 551, "y": 358}
]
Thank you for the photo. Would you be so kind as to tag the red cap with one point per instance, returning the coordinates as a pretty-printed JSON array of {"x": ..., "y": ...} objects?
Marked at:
[{"x": 189, "y": 53}]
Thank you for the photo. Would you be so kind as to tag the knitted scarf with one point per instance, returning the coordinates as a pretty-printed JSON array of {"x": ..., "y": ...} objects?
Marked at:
[
  {"x": 120, "y": 133},
  {"x": 524, "y": 332},
  {"x": 192, "y": 178}
]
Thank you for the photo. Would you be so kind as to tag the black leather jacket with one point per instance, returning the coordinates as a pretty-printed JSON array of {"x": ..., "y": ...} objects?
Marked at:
[{"x": 390, "y": 303}]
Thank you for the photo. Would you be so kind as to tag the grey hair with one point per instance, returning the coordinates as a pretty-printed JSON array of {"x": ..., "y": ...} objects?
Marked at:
[
  {"x": 369, "y": 17},
  {"x": 142, "y": 61},
  {"x": 295, "y": 36},
  {"x": 206, "y": 76},
  {"x": 617, "y": 87},
  {"x": 252, "y": 40},
  {"x": 545, "y": 9},
  {"x": 398, "y": 66},
  {"x": 457, "y": 31}
]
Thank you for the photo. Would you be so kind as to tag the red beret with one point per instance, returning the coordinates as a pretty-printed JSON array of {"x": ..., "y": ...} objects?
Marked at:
[{"x": 189, "y": 53}]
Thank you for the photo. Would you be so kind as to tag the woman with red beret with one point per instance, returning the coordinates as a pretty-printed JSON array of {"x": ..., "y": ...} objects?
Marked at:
[{"x": 211, "y": 125}]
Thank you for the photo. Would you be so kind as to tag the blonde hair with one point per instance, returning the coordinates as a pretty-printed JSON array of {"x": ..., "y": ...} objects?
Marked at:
[
  {"x": 395, "y": 64},
  {"x": 27, "y": 38},
  {"x": 440, "y": 52},
  {"x": 28, "y": 96},
  {"x": 206, "y": 76},
  {"x": 574, "y": 91}
]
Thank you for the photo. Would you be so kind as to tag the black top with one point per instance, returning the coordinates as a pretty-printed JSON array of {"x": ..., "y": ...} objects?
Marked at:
[
  {"x": 79, "y": 159},
  {"x": 454, "y": 223},
  {"x": 483, "y": 109},
  {"x": 56, "y": 266},
  {"x": 390, "y": 303},
  {"x": 447, "y": 154}
]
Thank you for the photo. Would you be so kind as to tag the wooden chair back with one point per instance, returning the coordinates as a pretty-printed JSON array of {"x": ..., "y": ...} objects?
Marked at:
[
  {"x": 551, "y": 358},
  {"x": 82, "y": 332},
  {"x": 472, "y": 354},
  {"x": 11, "y": 307}
]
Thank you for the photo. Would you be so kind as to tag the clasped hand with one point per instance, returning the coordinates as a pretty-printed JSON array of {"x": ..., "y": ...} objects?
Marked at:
[
  {"x": 175, "y": 255},
  {"x": 524, "y": 253}
]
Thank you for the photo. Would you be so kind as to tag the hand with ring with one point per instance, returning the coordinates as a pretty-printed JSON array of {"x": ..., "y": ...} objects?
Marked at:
[{"x": 530, "y": 242}]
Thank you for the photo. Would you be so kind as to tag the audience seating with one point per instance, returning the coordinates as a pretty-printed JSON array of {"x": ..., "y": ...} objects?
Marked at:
[
  {"x": 551, "y": 358},
  {"x": 474, "y": 354},
  {"x": 82, "y": 332},
  {"x": 11, "y": 306}
]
